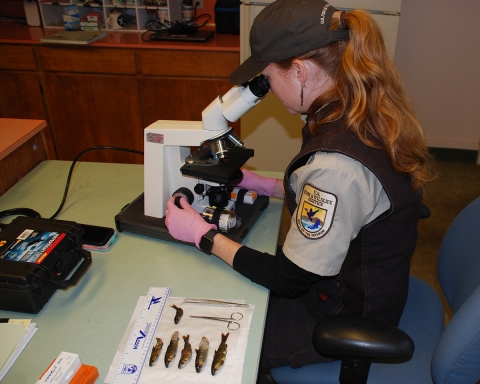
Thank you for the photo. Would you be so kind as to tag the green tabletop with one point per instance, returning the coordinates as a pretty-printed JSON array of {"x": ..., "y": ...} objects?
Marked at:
[{"x": 90, "y": 319}]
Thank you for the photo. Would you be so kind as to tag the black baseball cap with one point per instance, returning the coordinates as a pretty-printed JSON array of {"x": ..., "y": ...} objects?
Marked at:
[{"x": 285, "y": 29}]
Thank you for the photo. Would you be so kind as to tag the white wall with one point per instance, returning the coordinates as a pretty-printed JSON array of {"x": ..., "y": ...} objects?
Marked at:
[
  {"x": 438, "y": 55},
  {"x": 272, "y": 133}
]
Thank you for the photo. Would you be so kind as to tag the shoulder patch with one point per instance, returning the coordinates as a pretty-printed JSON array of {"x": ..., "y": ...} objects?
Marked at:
[{"x": 315, "y": 212}]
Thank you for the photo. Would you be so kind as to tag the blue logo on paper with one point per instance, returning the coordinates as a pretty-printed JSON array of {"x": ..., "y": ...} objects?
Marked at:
[
  {"x": 154, "y": 300},
  {"x": 129, "y": 369}
]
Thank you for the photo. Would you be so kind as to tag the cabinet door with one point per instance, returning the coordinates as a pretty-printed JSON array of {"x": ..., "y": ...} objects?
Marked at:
[
  {"x": 180, "y": 99},
  {"x": 91, "y": 110},
  {"x": 20, "y": 96},
  {"x": 179, "y": 85},
  {"x": 188, "y": 63},
  {"x": 20, "y": 92},
  {"x": 21, "y": 161}
]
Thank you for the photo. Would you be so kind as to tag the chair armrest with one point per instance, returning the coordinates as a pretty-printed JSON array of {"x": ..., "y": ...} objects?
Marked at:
[{"x": 359, "y": 337}]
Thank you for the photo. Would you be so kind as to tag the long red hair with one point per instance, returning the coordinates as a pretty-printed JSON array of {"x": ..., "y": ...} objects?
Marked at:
[{"x": 369, "y": 95}]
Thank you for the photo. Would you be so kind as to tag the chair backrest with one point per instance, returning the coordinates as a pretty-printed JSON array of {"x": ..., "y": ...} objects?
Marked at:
[
  {"x": 457, "y": 356},
  {"x": 458, "y": 264}
]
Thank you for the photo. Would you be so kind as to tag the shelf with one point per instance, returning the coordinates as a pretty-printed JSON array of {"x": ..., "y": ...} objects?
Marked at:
[{"x": 135, "y": 12}]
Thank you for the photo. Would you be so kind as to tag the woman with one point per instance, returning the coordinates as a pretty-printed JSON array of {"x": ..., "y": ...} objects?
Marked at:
[{"x": 354, "y": 190}]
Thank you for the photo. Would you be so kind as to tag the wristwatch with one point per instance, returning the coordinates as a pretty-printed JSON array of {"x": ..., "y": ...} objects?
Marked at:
[{"x": 206, "y": 242}]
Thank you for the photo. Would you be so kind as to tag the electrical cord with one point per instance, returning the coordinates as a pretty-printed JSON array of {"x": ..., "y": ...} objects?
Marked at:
[
  {"x": 177, "y": 27},
  {"x": 73, "y": 165},
  {"x": 31, "y": 213}
]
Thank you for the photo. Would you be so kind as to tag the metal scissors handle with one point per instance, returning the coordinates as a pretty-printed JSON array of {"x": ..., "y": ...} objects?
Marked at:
[{"x": 232, "y": 320}]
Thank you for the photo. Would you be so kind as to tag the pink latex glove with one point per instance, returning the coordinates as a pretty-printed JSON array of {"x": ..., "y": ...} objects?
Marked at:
[
  {"x": 185, "y": 224},
  {"x": 260, "y": 184}
]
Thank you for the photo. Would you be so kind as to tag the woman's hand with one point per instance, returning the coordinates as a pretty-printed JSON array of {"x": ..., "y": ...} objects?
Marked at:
[
  {"x": 185, "y": 224},
  {"x": 260, "y": 184}
]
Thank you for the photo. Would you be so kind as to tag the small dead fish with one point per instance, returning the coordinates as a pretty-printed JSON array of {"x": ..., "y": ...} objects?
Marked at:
[
  {"x": 171, "y": 350},
  {"x": 178, "y": 315},
  {"x": 202, "y": 353},
  {"x": 220, "y": 355},
  {"x": 186, "y": 353},
  {"x": 157, "y": 348}
]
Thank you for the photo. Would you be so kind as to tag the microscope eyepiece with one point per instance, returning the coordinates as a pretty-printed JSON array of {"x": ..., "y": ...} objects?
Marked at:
[{"x": 259, "y": 86}]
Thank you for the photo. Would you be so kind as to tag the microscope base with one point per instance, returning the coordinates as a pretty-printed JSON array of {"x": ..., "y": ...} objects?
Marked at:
[{"x": 132, "y": 219}]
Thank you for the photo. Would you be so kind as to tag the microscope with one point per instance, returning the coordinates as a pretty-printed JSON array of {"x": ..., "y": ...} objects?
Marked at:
[{"x": 206, "y": 176}]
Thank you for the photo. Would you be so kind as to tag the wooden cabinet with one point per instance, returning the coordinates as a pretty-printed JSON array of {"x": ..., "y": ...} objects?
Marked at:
[
  {"x": 20, "y": 92},
  {"x": 189, "y": 63},
  {"x": 89, "y": 110},
  {"x": 178, "y": 98},
  {"x": 94, "y": 96},
  {"x": 92, "y": 100},
  {"x": 20, "y": 95},
  {"x": 179, "y": 85},
  {"x": 87, "y": 60},
  {"x": 20, "y": 88},
  {"x": 22, "y": 148}
]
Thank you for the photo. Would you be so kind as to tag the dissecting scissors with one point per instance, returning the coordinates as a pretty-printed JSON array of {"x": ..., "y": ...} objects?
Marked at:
[{"x": 233, "y": 319}]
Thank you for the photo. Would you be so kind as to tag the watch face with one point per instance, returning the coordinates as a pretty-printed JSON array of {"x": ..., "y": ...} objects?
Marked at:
[
  {"x": 206, "y": 245},
  {"x": 206, "y": 242}
]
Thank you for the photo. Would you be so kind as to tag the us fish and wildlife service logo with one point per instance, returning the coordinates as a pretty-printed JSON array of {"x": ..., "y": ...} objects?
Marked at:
[
  {"x": 129, "y": 369},
  {"x": 315, "y": 212}
]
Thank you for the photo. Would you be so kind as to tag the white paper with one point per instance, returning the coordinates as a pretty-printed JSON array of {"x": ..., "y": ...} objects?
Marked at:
[
  {"x": 29, "y": 331},
  {"x": 230, "y": 373}
]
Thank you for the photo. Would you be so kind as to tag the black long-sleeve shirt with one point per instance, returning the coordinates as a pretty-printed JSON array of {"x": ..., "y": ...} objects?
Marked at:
[{"x": 277, "y": 273}]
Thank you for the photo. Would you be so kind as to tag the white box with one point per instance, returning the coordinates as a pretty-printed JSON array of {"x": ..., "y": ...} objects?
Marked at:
[
  {"x": 61, "y": 370},
  {"x": 89, "y": 23},
  {"x": 90, "y": 28}
]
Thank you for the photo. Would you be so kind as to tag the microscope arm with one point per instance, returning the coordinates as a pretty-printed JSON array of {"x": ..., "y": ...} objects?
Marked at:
[{"x": 167, "y": 142}]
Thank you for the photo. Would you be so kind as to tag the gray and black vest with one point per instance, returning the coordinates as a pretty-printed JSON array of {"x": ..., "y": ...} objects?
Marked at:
[{"x": 373, "y": 281}]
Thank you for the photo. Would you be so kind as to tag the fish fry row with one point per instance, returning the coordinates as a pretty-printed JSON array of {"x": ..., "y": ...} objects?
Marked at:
[{"x": 219, "y": 356}]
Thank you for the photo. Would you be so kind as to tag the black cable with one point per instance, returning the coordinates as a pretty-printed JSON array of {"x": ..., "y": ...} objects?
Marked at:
[
  {"x": 32, "y": 213},
  {"x": 169, "y": 27},
  {"x": 73, "y": 165}
]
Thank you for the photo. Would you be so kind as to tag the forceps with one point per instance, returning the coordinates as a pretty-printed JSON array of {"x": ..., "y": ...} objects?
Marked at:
[
  {"x": 214, "y": 302},
  {"x": 233, "y": 319}
]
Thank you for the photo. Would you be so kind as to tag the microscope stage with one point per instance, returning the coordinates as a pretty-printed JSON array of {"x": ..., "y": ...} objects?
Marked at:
[{"x": 225, "y": 172}]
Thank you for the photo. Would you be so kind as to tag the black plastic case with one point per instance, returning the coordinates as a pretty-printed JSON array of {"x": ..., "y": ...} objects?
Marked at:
[{"x": 37, "y": 257}]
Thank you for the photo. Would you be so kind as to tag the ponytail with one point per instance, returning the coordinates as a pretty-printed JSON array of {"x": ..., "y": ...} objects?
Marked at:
[{"x": 369, "y": 95}]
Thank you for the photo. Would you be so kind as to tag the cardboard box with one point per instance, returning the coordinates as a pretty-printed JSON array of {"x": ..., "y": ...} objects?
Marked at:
[
  {"x": 86, "y": 28},
  {"x": 89, "y": 26},
  {"x": 71, "y": 18},
  {"x": 95, "y": 16},
  {"x": 71, "y": 10}
]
